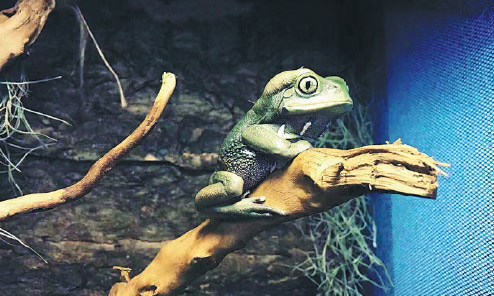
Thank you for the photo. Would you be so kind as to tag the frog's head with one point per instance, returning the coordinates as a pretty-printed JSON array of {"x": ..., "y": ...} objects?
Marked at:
[{"x": 303, "y": 92}]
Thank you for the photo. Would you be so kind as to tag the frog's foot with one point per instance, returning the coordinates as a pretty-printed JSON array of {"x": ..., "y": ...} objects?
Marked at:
[
  {"x": 224, "y": 188},
  {"x": 251, "y": 207}
]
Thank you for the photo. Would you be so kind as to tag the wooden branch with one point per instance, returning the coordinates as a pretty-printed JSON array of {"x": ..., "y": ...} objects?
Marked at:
[
  {"x": 44, "y": 201},
  {"x": 317, "y": 180},
  {"x": 20, "y": 26}
]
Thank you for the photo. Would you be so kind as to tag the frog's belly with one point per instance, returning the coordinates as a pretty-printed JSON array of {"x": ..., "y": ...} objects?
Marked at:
[{"x": 252, "y": 166}]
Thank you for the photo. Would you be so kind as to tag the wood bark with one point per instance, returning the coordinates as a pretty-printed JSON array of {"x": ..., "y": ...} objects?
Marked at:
[
  {"x": 317, "y": 180},
  {"x": 20, "y": 26}
]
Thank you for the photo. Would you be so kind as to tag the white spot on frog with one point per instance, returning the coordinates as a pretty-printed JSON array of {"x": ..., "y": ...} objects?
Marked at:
[
  {"x": 281, "y": 131},
  {"x": 250, "y": 153},
  {"x": 305, "y": 128}
]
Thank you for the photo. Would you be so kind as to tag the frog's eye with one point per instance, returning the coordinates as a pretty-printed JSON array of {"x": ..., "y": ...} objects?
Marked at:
[{"x": 307, "y": 85}]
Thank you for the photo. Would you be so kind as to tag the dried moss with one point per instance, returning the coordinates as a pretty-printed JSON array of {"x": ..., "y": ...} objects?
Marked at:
[
  {"x": 343, "y": 261},
  {"x": 17, "y": 138}
]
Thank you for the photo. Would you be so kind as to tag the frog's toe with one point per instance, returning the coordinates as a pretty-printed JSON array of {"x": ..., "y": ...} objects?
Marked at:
[
  {"x": 255, "y": 200},
  {"x": 247, "y": 208},
  {"x": 259, "y": 200}
]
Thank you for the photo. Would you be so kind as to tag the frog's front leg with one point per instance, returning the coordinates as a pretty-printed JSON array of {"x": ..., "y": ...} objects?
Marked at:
[
  {"x": 222, "y": 198},
  {"x": 272, "y": 139}
]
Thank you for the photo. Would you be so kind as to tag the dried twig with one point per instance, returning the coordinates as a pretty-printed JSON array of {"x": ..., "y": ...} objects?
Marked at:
[
  {"x": 10, "y": 236},
  {"x": 43, "y": 201},
  {"x": 123, "y": 101}
]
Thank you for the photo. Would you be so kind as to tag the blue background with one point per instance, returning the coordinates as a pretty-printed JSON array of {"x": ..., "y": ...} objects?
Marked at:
[{"x": 440, "y": 98}]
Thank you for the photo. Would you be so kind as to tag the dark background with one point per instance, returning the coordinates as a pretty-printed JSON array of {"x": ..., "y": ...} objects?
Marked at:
[{"x": 223, "y": 53}]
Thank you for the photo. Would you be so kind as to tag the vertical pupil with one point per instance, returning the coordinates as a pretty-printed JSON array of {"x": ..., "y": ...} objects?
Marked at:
[{"x": 307, "y": 85}]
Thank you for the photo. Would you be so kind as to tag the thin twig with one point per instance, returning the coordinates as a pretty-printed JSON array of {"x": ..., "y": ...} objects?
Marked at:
[
  {"x": 123, "y": 101},
  {"x": 31, "y": 81},
  {"x": 82, "y": 57},
  {"x": 45, "y": 115},
  {"x": 9, "y": 235}
]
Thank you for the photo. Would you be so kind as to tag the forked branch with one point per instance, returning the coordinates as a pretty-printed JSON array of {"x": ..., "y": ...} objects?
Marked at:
[{"x": 317, "y": 180}]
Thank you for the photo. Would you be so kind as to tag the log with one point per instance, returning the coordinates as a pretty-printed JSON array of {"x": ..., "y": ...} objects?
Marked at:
[
  {"x": 317, "y": 180},
  {"x": 20, "y": 26}
]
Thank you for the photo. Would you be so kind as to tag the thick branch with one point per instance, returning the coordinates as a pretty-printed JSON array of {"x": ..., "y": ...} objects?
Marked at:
[
  {"x": 43, "y": 201},
  {"x": 20, "y": 26},
  {"x": 317, "y": 180}
]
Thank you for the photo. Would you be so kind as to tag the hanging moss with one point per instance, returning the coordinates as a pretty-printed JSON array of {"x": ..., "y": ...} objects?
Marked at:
[
  {"x": 17, "y": 138},
  {"x": 343, "y": 259}
]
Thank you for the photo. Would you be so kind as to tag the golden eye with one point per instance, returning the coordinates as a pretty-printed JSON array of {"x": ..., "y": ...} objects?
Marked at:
[{"x": 307, "y": 85}]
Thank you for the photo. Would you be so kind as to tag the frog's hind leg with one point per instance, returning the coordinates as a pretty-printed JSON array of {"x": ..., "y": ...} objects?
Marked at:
[
  {"x": 224, "y": 188},
  {"x": 224, "y": 198}
]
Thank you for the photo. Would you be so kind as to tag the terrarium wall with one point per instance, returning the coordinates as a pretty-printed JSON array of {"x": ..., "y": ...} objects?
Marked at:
[
  {"x": 439, "y": 97},
  {"x": 223, "y": 53}
]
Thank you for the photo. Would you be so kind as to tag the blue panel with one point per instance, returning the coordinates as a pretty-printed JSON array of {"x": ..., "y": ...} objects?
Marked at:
[{"x": 440, "y": 96}]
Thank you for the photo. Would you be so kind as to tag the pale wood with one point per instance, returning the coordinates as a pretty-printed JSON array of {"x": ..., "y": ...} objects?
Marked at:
[
  {"x": 20, "y": 26},
  {"x": 43, "y": 201},
  {"x": 317, "y": 180}
]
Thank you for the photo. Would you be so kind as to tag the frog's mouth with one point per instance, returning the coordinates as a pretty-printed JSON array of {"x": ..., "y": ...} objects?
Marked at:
[{"x": 335, "y": 107}]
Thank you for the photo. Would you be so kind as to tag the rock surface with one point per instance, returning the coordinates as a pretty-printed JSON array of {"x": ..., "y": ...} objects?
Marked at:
[{"x": 223, "y": 57}]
